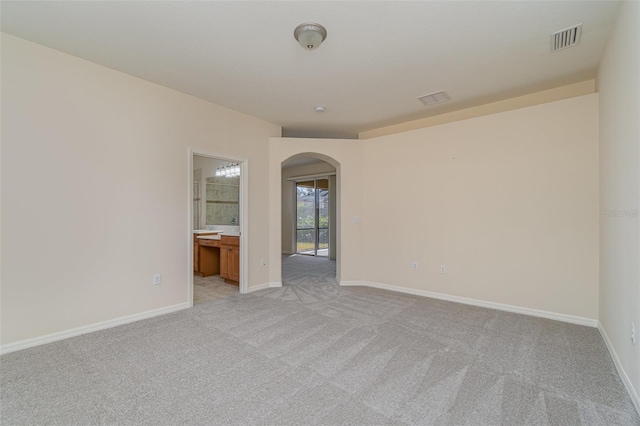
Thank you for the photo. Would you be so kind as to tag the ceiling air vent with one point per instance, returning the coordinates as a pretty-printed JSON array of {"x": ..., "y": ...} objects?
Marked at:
[
  {"x": 434, "y": 98},
  {"x": 566, "y": 38}
]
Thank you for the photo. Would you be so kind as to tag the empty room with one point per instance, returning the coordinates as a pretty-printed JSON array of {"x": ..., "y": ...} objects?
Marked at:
[{"x": 320, "y": 212}]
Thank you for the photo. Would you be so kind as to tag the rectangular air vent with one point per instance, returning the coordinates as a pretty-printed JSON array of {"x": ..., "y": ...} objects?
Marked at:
[
  {"x": 566, "y": 38},
  {"x": 434, "y": 98}
]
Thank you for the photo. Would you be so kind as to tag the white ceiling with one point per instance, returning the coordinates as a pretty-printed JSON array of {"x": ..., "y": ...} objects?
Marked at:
[{"x": 378, "y": 57}]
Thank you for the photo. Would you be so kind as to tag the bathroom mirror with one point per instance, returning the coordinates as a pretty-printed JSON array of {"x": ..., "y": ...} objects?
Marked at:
[
  {"x": 215, "y": 198},
  {"x": 222, "y": 201}
]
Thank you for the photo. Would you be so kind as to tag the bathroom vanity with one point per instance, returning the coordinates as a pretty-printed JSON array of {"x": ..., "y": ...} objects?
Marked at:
[
  {"x": 217, "y": 254},
  {"x": 230, "y": 259},
  {"x": 196, "y": 248}
]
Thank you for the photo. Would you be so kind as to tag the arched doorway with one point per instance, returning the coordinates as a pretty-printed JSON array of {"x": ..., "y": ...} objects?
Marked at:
[{"x": 309, "y": 219}]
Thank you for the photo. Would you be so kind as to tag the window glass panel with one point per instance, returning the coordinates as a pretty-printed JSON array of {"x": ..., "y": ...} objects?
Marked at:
[
  {"x": 306, "y": 198},
  {"x": 312, "y": 217},
  {"x": 305, "y": 241}
]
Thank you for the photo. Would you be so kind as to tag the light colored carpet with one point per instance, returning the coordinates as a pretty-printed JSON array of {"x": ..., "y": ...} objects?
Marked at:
[{"x": 300, "y": 355}]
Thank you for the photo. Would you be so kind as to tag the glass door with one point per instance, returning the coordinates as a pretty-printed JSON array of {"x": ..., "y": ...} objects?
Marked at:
[
  {"x": 305, "y": 217},
  {"x": 312, "y": 217},
  {"x": 322, "y": 207}
]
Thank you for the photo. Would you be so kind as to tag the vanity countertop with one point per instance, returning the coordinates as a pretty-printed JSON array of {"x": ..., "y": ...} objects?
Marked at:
[
  {"x": 209, "y": 237},
  {"x": 207, "y": 231}
]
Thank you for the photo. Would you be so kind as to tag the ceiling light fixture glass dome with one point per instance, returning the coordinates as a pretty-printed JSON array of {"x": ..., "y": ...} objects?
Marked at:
[{"x": 310, "y": 35}]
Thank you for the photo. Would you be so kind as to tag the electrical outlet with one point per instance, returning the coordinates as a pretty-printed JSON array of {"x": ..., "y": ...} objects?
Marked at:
[
  {"x": 414, "y": 266},
  {"x": 356, "y": 219},
  {"x": 263, "y": 262},
  {"x": 443, "y": 269},
  {"x": 157, "y": 279},
  {"x": 633, "y": 333}
]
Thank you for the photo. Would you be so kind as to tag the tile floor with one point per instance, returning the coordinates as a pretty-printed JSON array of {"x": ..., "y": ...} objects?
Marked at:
[{"x": 212, "y": 287}]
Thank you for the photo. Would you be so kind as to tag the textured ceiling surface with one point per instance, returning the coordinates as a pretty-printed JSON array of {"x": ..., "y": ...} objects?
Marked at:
[{"x": 377, "y": 59}]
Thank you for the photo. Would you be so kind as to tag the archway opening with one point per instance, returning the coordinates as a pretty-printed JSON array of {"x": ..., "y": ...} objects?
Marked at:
[{"x": 310, "y": 220}]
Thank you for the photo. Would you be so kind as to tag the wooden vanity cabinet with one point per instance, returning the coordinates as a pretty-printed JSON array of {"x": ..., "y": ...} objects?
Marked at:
[
  {"x": 230, "y": 259},
  {"x": 209, "y": 257},
  {"x": 196, "y": 252}
]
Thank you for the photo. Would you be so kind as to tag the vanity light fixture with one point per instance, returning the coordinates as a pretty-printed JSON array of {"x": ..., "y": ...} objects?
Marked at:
[
  {"x": 310, "y": 35},
  {"x": 228, "y": 170}
]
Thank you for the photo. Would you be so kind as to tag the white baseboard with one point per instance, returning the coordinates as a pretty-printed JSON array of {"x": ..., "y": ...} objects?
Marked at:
[
  {"x": 61, "y": 335},
  {"x": 264, "y": 286},
  {"x": 355, "y": 284},
  {"x": 623, "y": 374},
  {"x": 475, "y": 302}
]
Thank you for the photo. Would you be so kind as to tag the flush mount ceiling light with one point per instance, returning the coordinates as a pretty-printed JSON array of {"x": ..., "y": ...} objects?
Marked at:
[{"x": 310, "y": 35}]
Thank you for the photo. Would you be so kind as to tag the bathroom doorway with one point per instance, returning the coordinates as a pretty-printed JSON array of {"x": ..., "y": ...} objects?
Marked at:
[{"x": 217, "y": 215}]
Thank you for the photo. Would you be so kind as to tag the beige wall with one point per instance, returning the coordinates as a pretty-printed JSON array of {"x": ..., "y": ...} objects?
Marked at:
[
  {"x": 95, "y": 190},
  {"x": 346, "y": 156},
  {"x": 288, "y": 202},
  {"x": 619, "y": 84},
  {"x": 507, "y": 202}
]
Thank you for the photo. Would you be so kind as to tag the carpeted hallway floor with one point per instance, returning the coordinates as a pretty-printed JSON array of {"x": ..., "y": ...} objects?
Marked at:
[
  {"x": 306, "y": 279},
  {"x": 316, "y": 353}
]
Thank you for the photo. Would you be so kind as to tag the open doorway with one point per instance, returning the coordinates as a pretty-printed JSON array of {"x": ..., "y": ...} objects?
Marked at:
[
  {"x": 309, "y": 203},
  {"x": 216, "y": 219}
]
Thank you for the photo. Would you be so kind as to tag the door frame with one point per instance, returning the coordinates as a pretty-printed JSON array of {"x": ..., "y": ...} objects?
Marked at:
[{"x": 243, "y": 214}]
